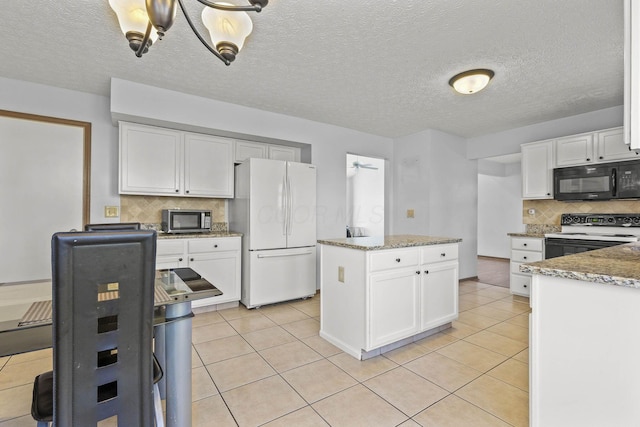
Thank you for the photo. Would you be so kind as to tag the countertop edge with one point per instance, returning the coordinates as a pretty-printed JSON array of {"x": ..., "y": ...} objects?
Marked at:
[{"x": 425, "y": 241}]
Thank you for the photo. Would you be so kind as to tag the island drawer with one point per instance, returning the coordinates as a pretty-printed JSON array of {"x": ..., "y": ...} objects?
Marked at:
[
  {"x": 213, "y": 245},
  {"x": 437, "y": 253},
  {"x": 394, "y": 258},
  {"x": 525, "y": 256},
  {"x": 526, "y": 243}
]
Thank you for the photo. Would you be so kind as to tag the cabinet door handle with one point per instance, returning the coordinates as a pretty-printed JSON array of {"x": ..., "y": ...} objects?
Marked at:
[
  {"x": 187, "y": 191},
  {"x": 177, "y": 191},
  {"x": 418, "y": 272},
  {"x": 215, "y": 246},
  {"x": 525, "y": 286},
  {"x": 397, "y": 259},
  {"x": 524, "y": 244},
  {"x": 191, "y": 259},
  {"x": 426, "y": 272},
  {"x": 524, "y": 257},
  {"x": 588, "y": 160},
  {"x": 443, "y": 254},
  {"x": 179, "y": 259},
  {"x": 601, "y": 157}
]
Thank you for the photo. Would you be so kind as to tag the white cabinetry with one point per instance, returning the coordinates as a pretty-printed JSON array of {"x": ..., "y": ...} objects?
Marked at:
[
  {"x": 574, "y": 150},
  {"x": 248, "y": 149},
  {"x": 524, "y": 250},
  {"x": 594, "y": 147},
  {"x": 632, "y": 74},
  {"x": 217, "y": 259},
  {"x": 537, "y": 170},
  {"x": 610, "y": 146},
  {"x": 374, "y": 301},
  {"x": 165, "y": 162},
  {"x": 439, "y": 285}
]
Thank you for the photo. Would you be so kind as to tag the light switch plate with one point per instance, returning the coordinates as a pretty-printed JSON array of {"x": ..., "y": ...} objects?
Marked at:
[
  {"x": 410, "y": 213},
  {"x": 111, "y": 212},
  {"x": 341, "y": 274}
]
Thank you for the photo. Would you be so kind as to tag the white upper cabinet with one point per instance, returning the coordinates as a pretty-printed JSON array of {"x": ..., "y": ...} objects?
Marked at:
[
  {"x": 150, "y": 160},
  {"x": 610, "y": 146},
  {"x": 574, "y": 150},
  {"x": 537, "y": 170},
  {"x": 246, "y": 150},
  {"x": 165, "y": 162},
  {"x": 280, "y": 152},
  {"x": 208, "y": 166},
  {"x": 632, "y": 74}
]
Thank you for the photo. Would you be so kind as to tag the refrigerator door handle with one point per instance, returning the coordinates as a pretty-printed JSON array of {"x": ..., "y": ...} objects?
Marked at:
[
  {"x": 285, "y": 203},
  {"x": 290, "y": 209},
  {"x": 283, "y": 255}
]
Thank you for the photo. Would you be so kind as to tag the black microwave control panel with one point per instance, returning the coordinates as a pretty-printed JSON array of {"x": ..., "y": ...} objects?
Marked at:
[{"x": 617, "y": 220}]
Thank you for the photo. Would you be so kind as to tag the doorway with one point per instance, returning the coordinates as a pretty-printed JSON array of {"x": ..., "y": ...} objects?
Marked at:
[{"x": 365, "y": 196}]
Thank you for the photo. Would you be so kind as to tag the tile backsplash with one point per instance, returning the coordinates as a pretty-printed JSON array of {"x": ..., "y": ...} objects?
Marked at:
[
  {"x": 549, "y": 211},
  {"x": 147, "y": 209}
]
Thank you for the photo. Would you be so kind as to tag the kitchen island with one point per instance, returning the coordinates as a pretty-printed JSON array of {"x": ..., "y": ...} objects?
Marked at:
[
  {"x": 379, "y": 293},
  {"x": 584, "y": 338}
]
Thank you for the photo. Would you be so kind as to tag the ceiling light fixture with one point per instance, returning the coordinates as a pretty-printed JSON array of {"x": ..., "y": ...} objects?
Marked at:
[
  {"x": 143, "y": 22},
  {"x": 471, "y": 81}
]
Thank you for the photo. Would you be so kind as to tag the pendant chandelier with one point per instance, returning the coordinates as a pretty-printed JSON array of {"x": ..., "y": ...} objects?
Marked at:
[{"x": 143, "y": 22}]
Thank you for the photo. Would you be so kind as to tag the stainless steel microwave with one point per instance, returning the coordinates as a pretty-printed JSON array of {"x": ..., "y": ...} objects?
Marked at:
[
  {"x": 186, "y": 221},
  {"x": 598, "y": 182}
]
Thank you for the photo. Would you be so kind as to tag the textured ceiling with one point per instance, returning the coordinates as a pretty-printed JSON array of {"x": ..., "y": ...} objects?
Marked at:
[{"x": 380, "y": 67}]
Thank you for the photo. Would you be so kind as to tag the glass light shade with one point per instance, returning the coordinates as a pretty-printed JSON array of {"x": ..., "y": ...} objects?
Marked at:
[
  {"x": 227, "y": 26},
  {"x": 471, "y": 81},
  {"x": 132, "y": 16}
]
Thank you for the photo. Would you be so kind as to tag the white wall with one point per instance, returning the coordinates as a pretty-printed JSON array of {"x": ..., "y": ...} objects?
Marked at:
[
  {"x": 434, "y": 177},
  {"x": 499, "y": 207},
  {"x": 55, "y": 102}
]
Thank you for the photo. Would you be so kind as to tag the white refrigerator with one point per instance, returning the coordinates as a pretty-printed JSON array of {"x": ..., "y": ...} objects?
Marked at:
[{"x": 275, "y": 210}]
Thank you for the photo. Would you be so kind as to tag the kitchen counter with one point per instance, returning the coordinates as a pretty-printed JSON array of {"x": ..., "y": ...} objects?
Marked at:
[
  {"x": 526, "y": 234},
  {"x": 388, "y": 242},
  {"x": 162, "y": 235},
  {"x": 616, "y": 265},
  {"x": 378, "y": 294}
]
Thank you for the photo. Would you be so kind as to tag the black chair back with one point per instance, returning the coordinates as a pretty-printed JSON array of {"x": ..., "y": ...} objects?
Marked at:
[{"x": 103, "y": 293}]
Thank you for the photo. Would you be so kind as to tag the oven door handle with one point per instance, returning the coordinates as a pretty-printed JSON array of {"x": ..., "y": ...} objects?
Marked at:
[{"x": 614, "y": 182}]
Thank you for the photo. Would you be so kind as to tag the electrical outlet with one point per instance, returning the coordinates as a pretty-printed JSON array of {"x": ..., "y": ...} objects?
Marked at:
[
  {"x": 410, "y": 213},
  {"x": 341, "y": 274},
  {"x": 532, "y": 211},
  {"x": 111, "y": 212}
]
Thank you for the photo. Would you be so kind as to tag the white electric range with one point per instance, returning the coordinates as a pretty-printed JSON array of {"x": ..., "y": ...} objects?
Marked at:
[{"x": 585, "y": 232}]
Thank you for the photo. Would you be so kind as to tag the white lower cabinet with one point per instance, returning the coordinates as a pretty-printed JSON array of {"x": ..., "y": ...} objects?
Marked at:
[
  {"x": 216, "y": 259},
  {"x": 523, "y": 250},
  {"x": 408, "y": 293},
  {"x": 394, "y": 306}
]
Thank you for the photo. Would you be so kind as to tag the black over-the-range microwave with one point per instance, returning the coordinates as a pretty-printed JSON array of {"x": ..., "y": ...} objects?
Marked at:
[{"x": 620, "y": 180}]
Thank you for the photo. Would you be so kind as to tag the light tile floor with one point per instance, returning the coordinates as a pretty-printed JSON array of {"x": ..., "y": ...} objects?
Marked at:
[{"x": 269, "y": 367}]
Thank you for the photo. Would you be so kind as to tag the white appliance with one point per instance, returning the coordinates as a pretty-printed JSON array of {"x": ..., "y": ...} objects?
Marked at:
[{"x": 275, "y": 209}]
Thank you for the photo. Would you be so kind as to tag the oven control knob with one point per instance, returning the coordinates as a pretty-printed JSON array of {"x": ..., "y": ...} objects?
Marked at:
[
  {"x": 611, "y": 219},
  {"x": 636, "y": 220},
  {"x": 627, "y": 220},
  {"x": 576, "y": 219}
]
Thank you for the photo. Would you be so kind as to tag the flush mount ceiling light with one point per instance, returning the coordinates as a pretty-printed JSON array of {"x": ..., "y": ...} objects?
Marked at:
[
  {"x": 143, "y": 22},
  {"x": 471, "y": 81}
]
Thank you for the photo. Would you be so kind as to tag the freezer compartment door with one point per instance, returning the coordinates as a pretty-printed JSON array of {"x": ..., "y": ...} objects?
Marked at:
[
  {"x": 279, "y": 275},
  {"x": 301, "y": 199}
]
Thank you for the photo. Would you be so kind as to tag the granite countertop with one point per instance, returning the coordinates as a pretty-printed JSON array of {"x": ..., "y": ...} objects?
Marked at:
[
  {"x": 388, "y": 242},
  {"x": 162, "y": 235},
  {"x": 615, "y": 265},
  {"x": 526, "y": 234}
]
